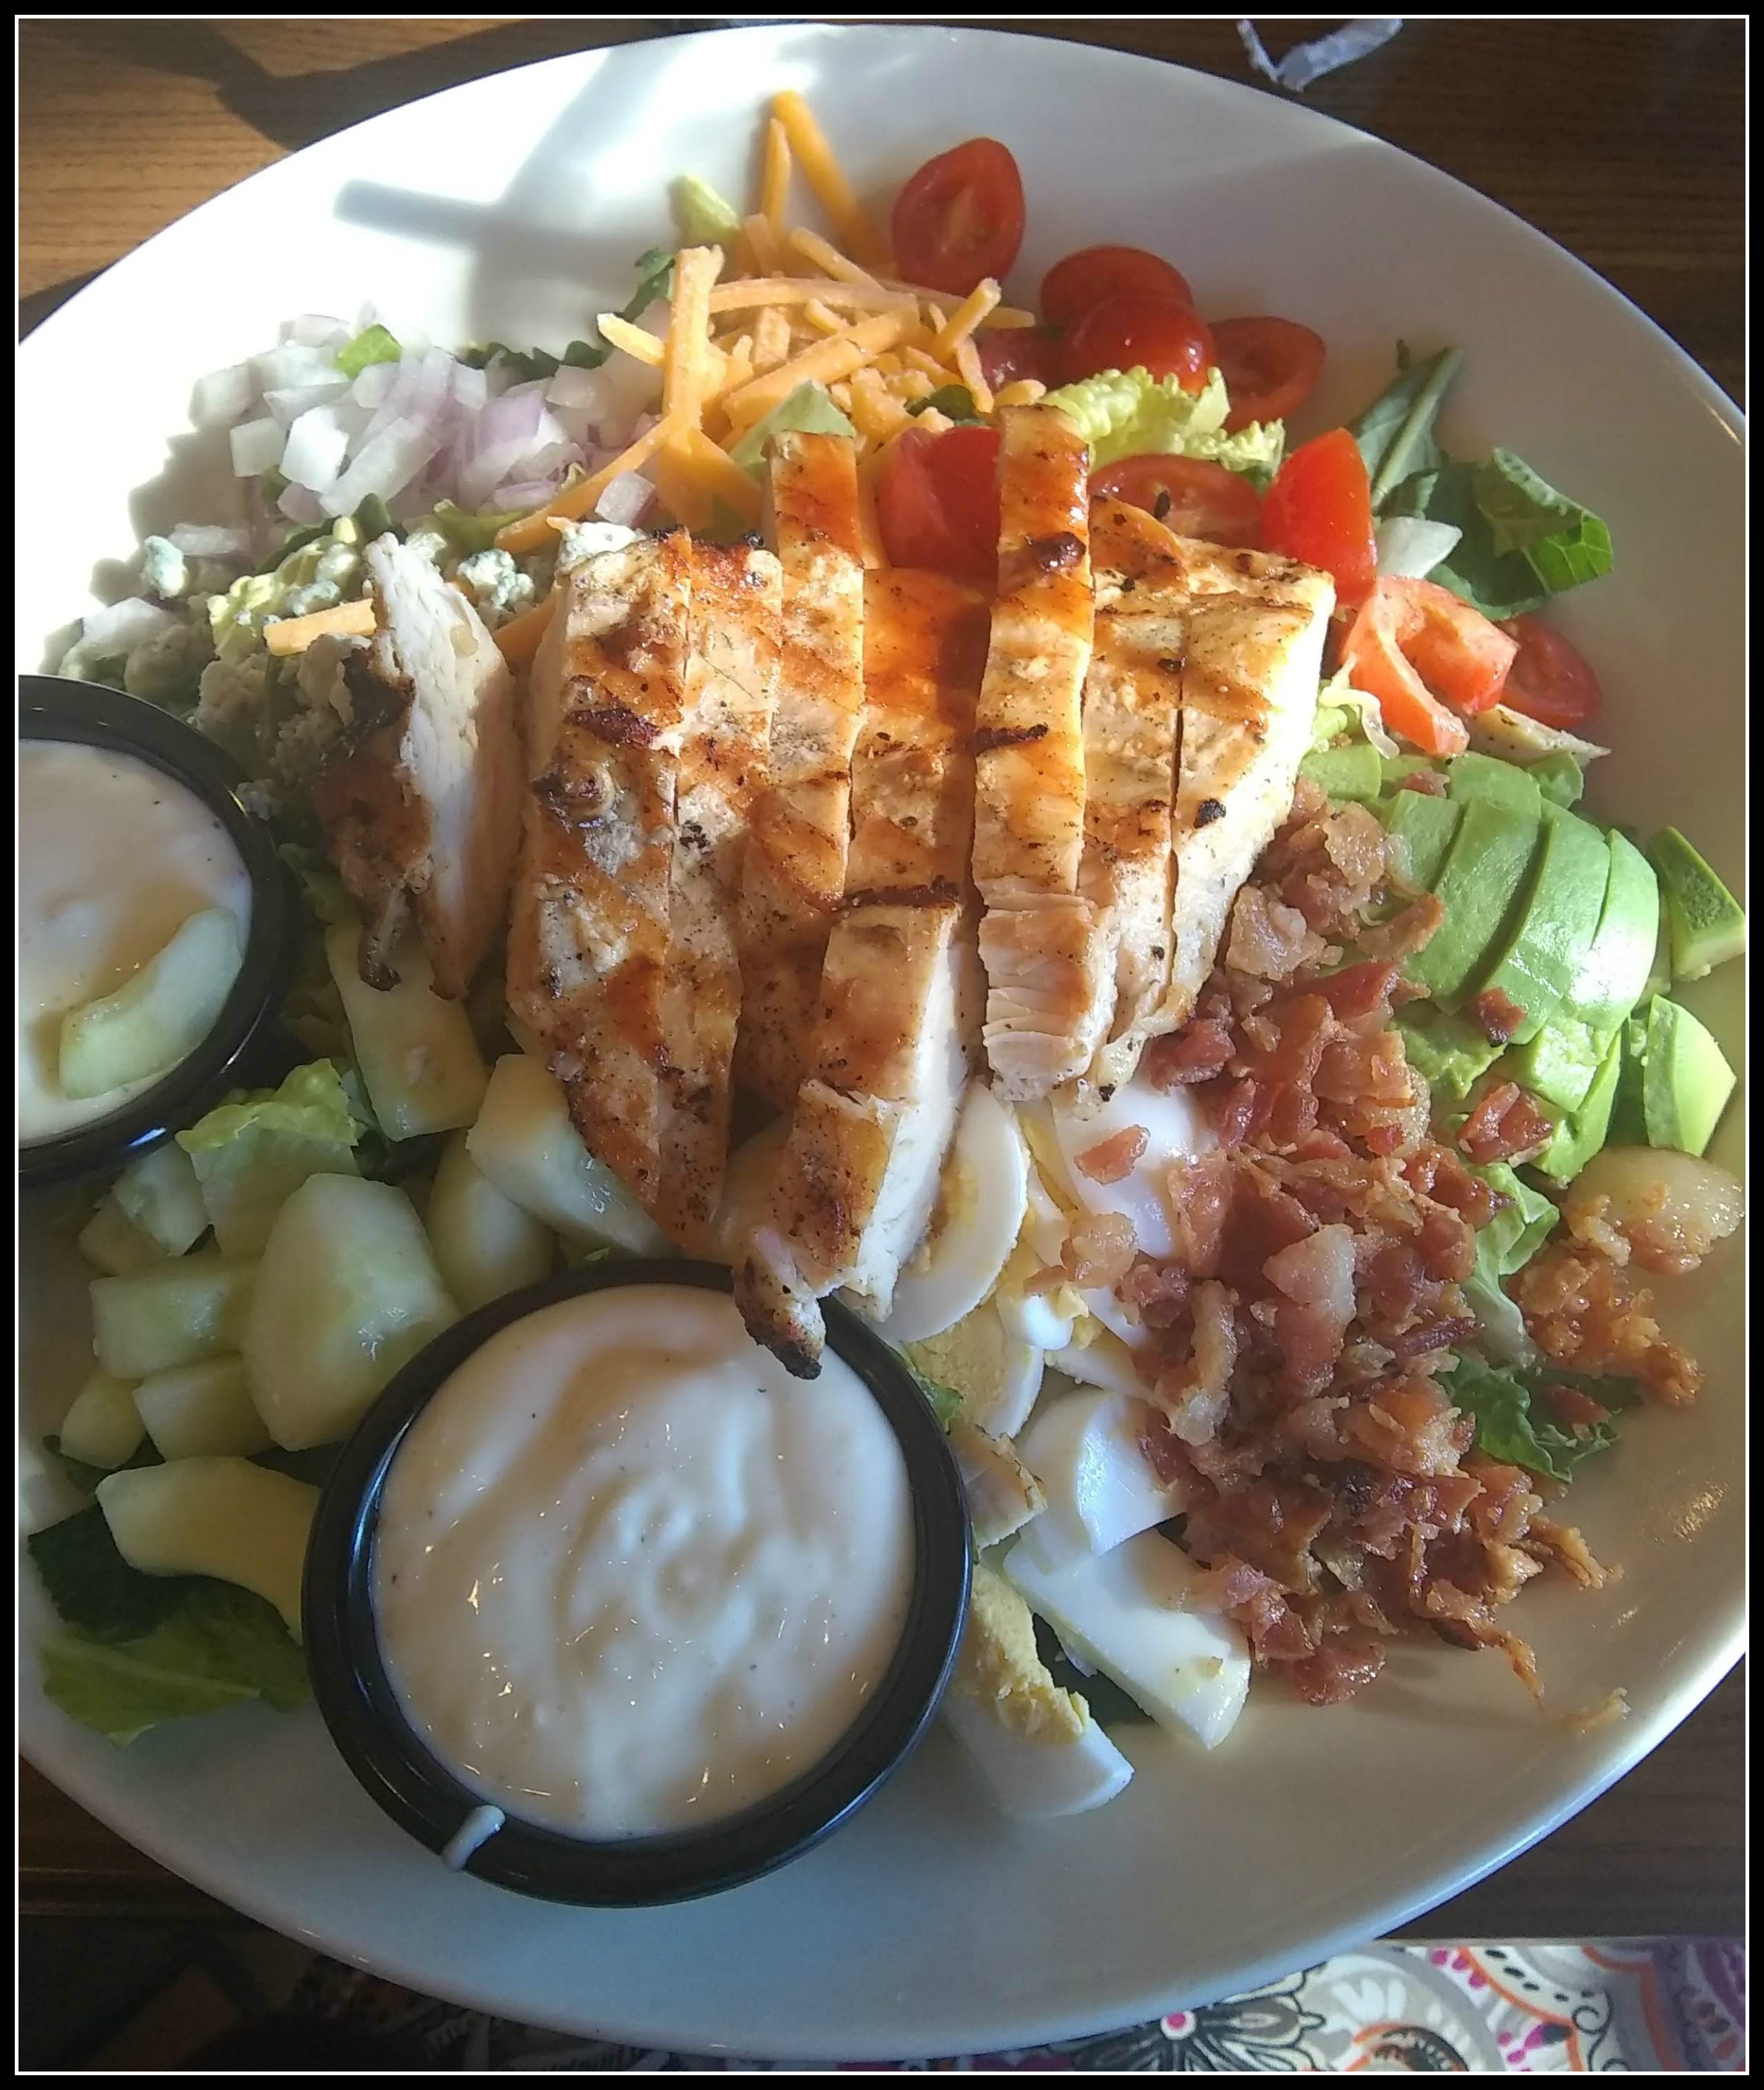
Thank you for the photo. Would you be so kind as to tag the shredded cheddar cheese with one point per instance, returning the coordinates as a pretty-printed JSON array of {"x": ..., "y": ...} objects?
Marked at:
[
  {"x": 294, "y": 634},
  {"x": 968, "y": 366},
  {"x": 774, "y": 182},
  {"x": 635, "y": 341},
  {"x": 829, "y": 260},
  {"x": 531, "y": 531},
  {"x": 825, "y": 175},
  {"x": 967, "y": 316},
  {"x": 520, "y": 638}
]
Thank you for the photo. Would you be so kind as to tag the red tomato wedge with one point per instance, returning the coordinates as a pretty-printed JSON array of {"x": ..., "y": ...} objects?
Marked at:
[
  {"x": 937, "y": 503},
  {"x": 1164, "y": 335},
  {"x": 1549, "y": 680},
  {"x": 1009, "y": 353},
  {"x": 1270, "y": 367},
  {"x": 1319, "y": 511},
  {"x": 1095, "y": 274},
  {"x": 960, "y": 218},
  {"x": 1194, "y": 496},
  {"x": 1417, "y": 648}
]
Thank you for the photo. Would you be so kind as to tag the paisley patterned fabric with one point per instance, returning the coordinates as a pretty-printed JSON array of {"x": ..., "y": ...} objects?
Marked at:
[{"x": 1663, "y": 2004}]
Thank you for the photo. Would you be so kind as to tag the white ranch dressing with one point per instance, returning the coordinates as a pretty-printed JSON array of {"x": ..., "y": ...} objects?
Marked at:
[
  {"x": 629, "y": 1576},
  {"x": 114, "y": 856}
]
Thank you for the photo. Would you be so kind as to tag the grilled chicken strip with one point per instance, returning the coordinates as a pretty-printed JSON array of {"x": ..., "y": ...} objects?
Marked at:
[
  {"x": 856, "y": 1181},
  {"x": 1036, "y": 933},
  {"x": 421, "y": 801},
  {"x": 1249, "y": 671},
  {"x": 733, "y": 690},
  {"x": 588, "y": 944},
  {"x": 794, "y": 876}
]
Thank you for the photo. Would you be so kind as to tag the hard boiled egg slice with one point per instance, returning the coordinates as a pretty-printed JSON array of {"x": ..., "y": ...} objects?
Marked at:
[
  {"x": 1098, "y": 1359},
  {"x": 980, "y": 1203},
  {"x": 1176, "y": 1130},
  {"x": 997, "y": 1376},
  {"x": 1188, "y": 1668},
  {"x": 1037, "y": 1777},
  {"x": 1101, "y": 1490},
  {"x": 745, "y": 1179}
]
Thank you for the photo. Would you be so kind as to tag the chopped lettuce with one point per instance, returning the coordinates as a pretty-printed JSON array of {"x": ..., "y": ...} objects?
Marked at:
[
  {"x": 1503, "y": 1406},
  {"x": 1498, "y": 583},
  {"x": 372, "y": 344},
  {"x": 1524, "y": 1222},
  {"x": 251, "y": 1155},
  {"x": 1345, "y": 710},
  {"x": 1563, "y": 543},
  {"x": 955, "y": 403},
  {"x": 808, "y": 409},
  {"x": 1125, "y": 413},
  {"x": 655, "y": 276},
  {"x": 1395, "y": 434},
  {"x": 1500, "y": 1326},
  {"x": 705, "y": 217}
]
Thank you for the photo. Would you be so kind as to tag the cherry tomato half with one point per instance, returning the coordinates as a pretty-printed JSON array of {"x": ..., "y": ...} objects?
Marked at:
[
  {"x": 1417, "y": 647},
  {"x": 1270, "y": 367},
  {"x": 937, "y": 503},
  {"x": 960, "y": 218},
  {"x": 1193, "y": 496},
  {"x": 1095, "y": 274},
  {"x": 1162, "y": 335},
  {"x": 1318, "y": 510},
  {"x": 1009, "y": 353},
  {"x": 1549, "y": 680}
]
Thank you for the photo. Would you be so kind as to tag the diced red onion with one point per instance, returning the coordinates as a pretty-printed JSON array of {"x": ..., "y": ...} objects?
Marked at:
[
  {"x": 257, "y": 447},
  {"x": 471, "y": 388},
  {"x": 291, "y": 364},
  {"x": 316, "y": 447},
  {"x": 211, "y": 540},
  {"x": 582, "y": 391},
  {"x": 289, "y": 402},
  {"x": 124, "y": 625},
  {"x": 316, "y": 330},
  {"x": 625, "y": 500},
  {"x": 524, "y": 493},
  {"x": 375, "y": 381},
  {"x": 386, "y": 463},
  {"x": 223, "y": 395},
  {"x": 300, "y": 505}
]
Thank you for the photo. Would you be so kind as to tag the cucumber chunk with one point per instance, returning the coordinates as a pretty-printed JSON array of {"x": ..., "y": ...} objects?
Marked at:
[
  {"x": 221, "y": 1517},
  {"x": 348, "y": 1293},
  {"x": 103, "y": 1427},
  {"x": 484, "y": 1242},
  {"x": 177, "y": 1313},
  {"x": 526, "y": 1143},
  {"x": 111, "y": 1242},
  {"x": 417, "y": 1054},
  {"x": 160, "y": 1193},
  {"x": 201, "y": 1408},
  {"x": 160, "y": 1016}
]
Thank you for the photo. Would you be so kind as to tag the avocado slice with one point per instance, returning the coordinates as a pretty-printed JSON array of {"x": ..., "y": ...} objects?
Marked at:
[
  {"x": 1502, "y": 782},
  {"x": 1685, "y": 1079},
  {"x": 1558, "y": 1065},
  {"x": 1705, "y": 925},
  {"x": 1557, "y": 921},
  {"x": 1480, "y": 888},
  {"x": 1450, "y": 1055},
  {"x": 1356, "y": 771},
  {"x": 1397, "y": 766},
  {"x": 1422, "y": 830},
  {"x": 1628, "y": 1125},
  {"x": 1613, "y": 975},
  {"x": 1582, "y": 1132}
]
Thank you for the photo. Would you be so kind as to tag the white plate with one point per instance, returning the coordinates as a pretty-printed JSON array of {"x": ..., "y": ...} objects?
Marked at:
[{"x": 513, "y": 208}]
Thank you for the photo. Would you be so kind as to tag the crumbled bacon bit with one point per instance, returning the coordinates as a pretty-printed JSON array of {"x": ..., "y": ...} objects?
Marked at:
[
  {"x": 1433, "y": 1335},
  {"x": 1268, "y": 940},
  {"x": 1338, "y": 1669},
  {"x": 1100, "y": 1250},
  {"x": 1198, "y": 1052},
  {"x": 1407, "y": 933},
  {"x": 1579, "y": 1310},
  {"x": 1111, "y": 1159},
  {"x": 1196, "y": 1393},
  {"x": 1504, "y": 1125},
  {"x": 1496, "y": 1015},
  {"x": 1573, "y": 1410},
  {"x": 1428, "y": 782}
]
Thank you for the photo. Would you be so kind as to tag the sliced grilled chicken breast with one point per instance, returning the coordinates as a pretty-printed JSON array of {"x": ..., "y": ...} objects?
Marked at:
[
  {"x": 794, "y": 875},
  {"x": 732, "y": 688},
  {"x": 588, "y": 945},
  {"x": 1036, "y": 936},
  {"x": 421, "y": 801},
  {"x": 856, "y": 1183},
  {"x": 1249, "y": 671}
]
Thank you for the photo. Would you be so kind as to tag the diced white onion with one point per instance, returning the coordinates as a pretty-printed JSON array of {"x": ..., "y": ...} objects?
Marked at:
[
  {"x": 288, "y": 402},
  {"x": 223, "y": 395},
  {"x": 316, "y": 330},
  {"x": 584, "y": 391},
  {"x": 375, "y": 381},
  {"x": 386, "y": 464},
  {"x": 1410, "y": 546},
  {"x": 300, "y": 505},
  {"x": 314, "y": 455},
  {"x": 625, "y": 499},
  {"x": 257, "y": 447},
  {"x": 293, "y": 365},
  {"x": 123, "y": 624},
  {"x": 211, "y": 540}
]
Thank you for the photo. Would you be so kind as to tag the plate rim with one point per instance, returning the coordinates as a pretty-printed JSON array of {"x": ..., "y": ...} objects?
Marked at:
[{"x": 1725, "y": 1634}]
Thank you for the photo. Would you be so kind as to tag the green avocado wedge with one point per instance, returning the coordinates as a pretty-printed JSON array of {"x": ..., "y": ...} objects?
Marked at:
[
  {"x": 1685, "y": 1079},
  {"x": 1582, "y": 1132},
  {"x": 1483, "y": 878},
  {"x": 1538, "y": 963},
  {"x": 1473, "y": 775},
  {"x": 1450, "y": 1055},
  {"x": 1705, "y": 925},
  {"x": 1613, "y": 975},
  {"x": 1560, "y": 1063},
  {"x": 1356, "y": 771},
  {"x": 1422, "y": 829}
]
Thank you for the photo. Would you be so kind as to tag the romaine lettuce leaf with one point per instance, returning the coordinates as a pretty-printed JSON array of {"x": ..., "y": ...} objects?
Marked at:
[
  {"x": 251, "y": 1155},
  {"x": 705, "y": 217},
  {"x": 1127, "y": 413},
  {"x": 1510, "y": 1426},
  {"x": 808, "y": 409},
  {"x": 1395, "y": 434},
  {"x": 1563, "y": 543}
]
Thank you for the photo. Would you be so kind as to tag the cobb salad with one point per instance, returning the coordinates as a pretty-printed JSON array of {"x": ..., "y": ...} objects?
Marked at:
[{"x": 1155, "y": 962}]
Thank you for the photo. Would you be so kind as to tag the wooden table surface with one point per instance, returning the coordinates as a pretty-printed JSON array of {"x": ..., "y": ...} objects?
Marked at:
[{"x": 1623, "y": 140}]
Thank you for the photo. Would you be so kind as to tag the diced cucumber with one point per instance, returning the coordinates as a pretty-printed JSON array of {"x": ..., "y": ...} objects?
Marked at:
[
  {"x": 348, "y": 1293},
  {"x": 526, "y": 1142},
  {"x": 111, "y": 1242},
  {"x": 160, "y": 1016},
  {"x": 220, "y": 1516},
  {"x": 201, "y": 1408},
  {"x": 160, "y": 1193},
  {"x": 251, "y": 1155},
  {"x": 484, "y": 1242},
  {"x": 177, "y": 1313},
  {"x": 416, "y": 1053},
  {"x": 103, "y": 1427}
]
